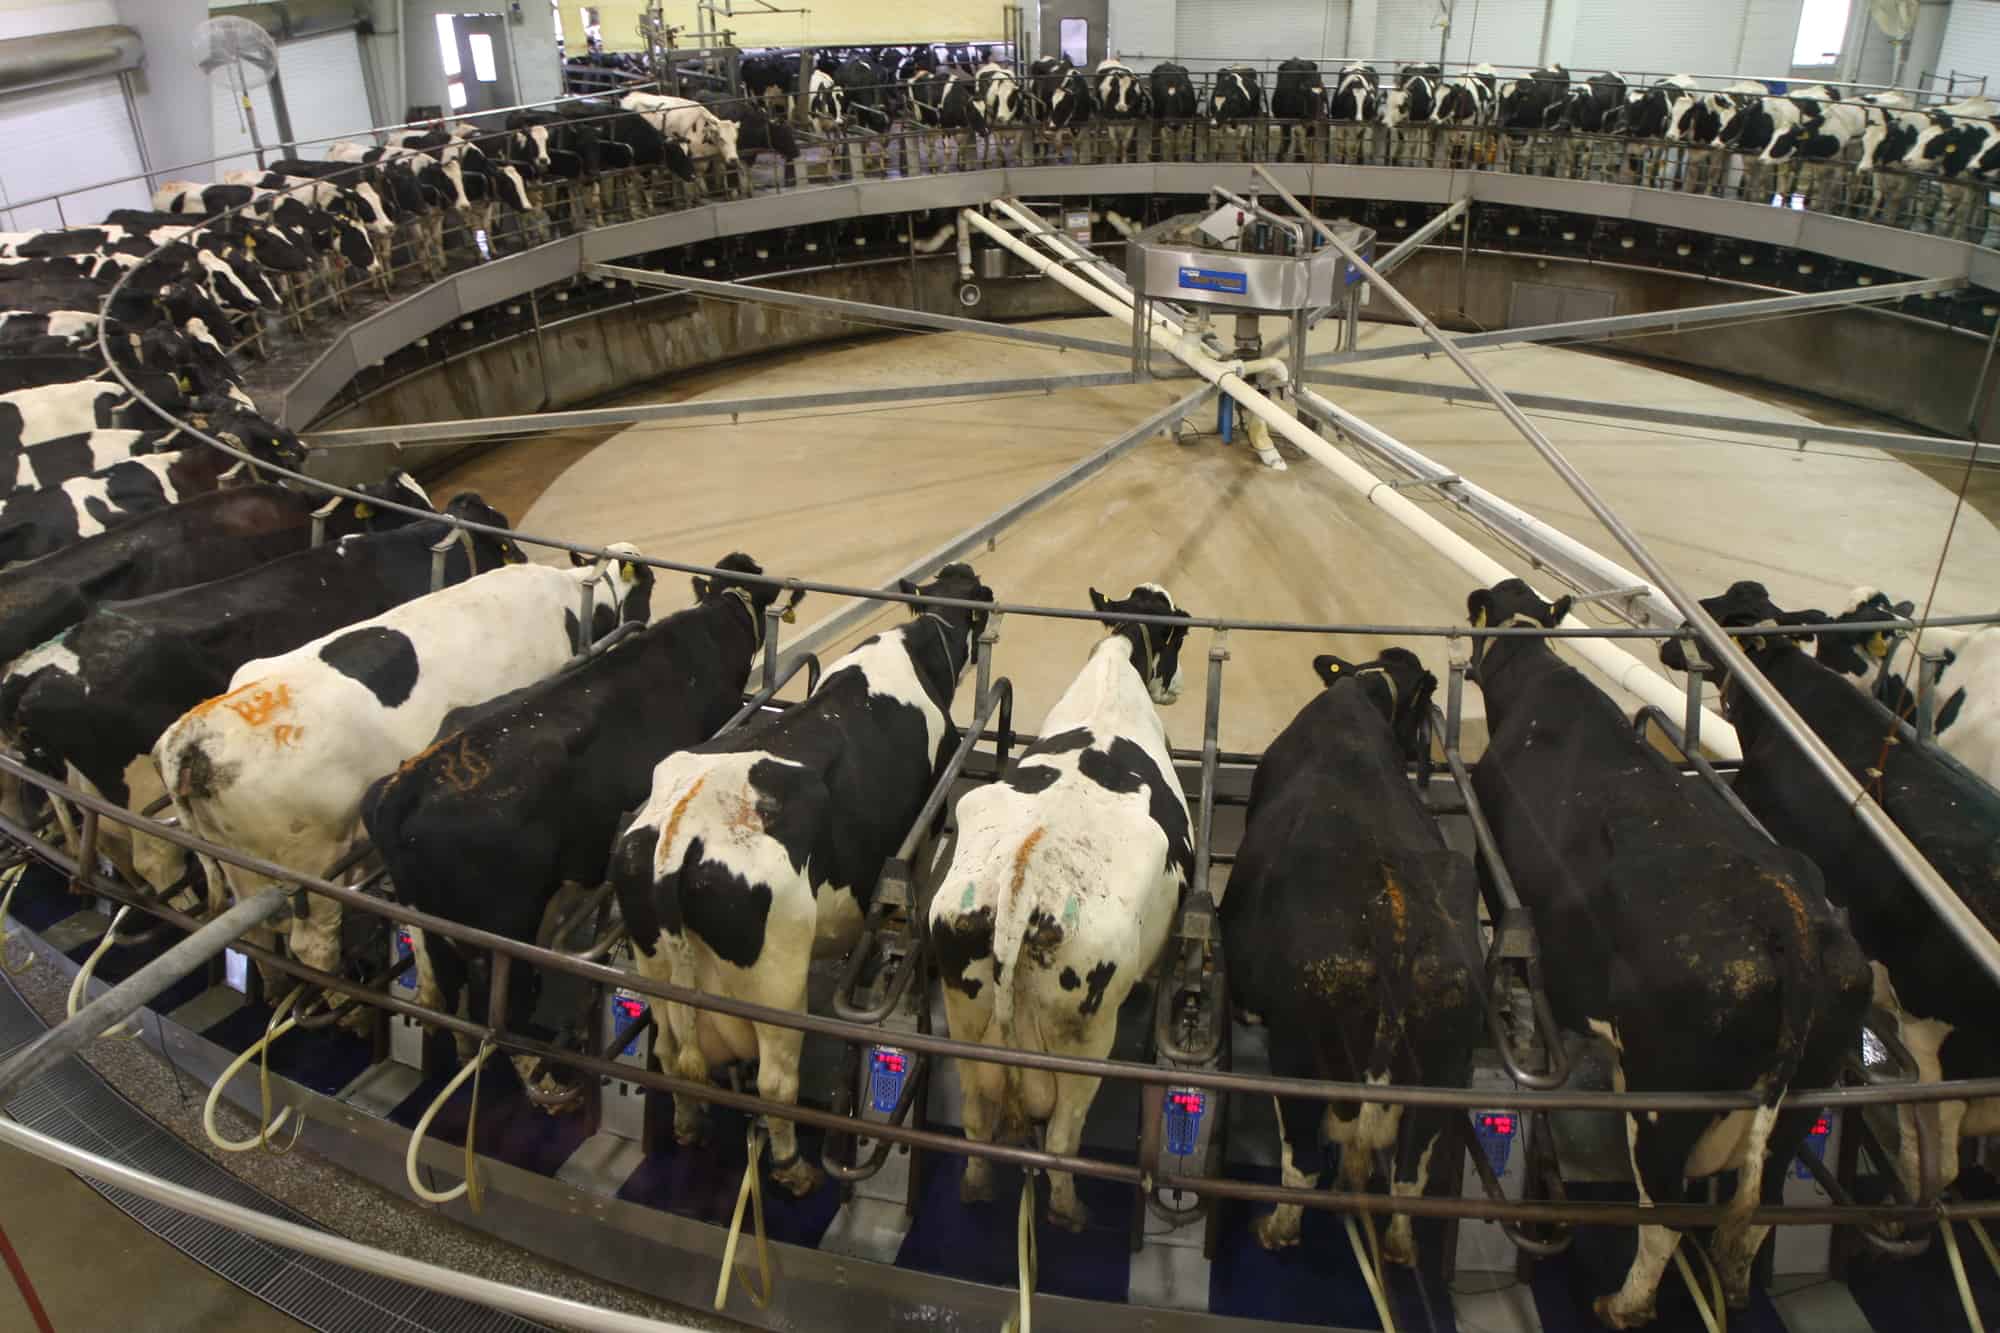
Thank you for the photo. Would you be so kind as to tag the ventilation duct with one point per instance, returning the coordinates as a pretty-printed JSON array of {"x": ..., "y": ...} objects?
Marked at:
[{"x": 62, "y": 57}]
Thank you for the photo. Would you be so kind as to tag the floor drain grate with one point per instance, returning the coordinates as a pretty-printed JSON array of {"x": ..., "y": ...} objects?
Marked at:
[{"x": 73, "y": 1104}]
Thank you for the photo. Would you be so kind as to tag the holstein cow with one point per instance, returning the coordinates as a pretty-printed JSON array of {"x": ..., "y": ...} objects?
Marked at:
[
  {"x": 1412, "y": 102},
  {"x": 1352, "y": 931},
  {"x": 1705, "y": 957},
  {"x": 1067, "y": 111},
  {"x": 1062, "y": 887},
  {"x": 1299, "y": 98},
  {"x": 1966, "y": 693},
  {"x": 709, "y": 140},
  {"x": 52, "y": 411},
  {"x": 1697, "y": 120},
  {"x": 1354, "y": 107},
  {"x": 1819, "y": 140},
  {"x": 1121, "y": 104},
  {"x": 1923, "y": 977},
  {"x": 1646, "y": 115},
  {"x": 1235, "y": 106},
  {"x": 826, "y": 104},
  {"x": 758, "y": 850},
  {"x": 1522, "y": 107},
  {"x": 99, "y": 696},
  {"x": 1175, "y": 104},
  {"x": 521, "y": 796},
  {"x": 1000, "y": 99},
  {"x": 53, "y": 462},
  {"x": 278, "y": 764},
  {"x": 40, "y": 522},
  {"x": 1584, "y": 111},
  {"x": 1967, "y": 163},
  {"x": 1758, "y": 122},
  {"x": 961, "y": 116},
  {"x": 199, "y": 540}
]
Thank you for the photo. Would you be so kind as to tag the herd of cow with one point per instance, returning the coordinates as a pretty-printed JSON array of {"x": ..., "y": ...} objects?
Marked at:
[{"x": 290, "y": 677}]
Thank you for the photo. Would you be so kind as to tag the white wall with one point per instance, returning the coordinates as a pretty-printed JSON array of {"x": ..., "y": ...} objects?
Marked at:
[
  {"x": 1972, "y": 42},
  {"x": 171, "y": 91}
]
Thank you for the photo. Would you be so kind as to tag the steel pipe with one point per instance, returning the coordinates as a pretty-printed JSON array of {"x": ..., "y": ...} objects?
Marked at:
[
  {"x": 136, "y": 991},
  {"x": 1622, "y": 667},
  {"x": 1958, "y": 918}
]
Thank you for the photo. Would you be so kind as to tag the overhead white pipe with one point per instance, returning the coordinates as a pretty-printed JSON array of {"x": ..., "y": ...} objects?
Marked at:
[
  {"x": 1110, "y": 285},
  {"x": 1622, "y": 667},
  {"x": 964, "y": 249}
]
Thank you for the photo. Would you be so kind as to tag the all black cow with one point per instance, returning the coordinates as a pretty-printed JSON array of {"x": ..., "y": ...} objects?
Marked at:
[
  {"x": 1928, "y": 982},
  {"x": 523, "y": 795},
  {"x": 1706, "y": 957},
  {"x": 1352, "y": 930}
]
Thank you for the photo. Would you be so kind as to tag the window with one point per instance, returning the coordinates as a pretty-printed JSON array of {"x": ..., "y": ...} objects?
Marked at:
[
  {"x": 1822, "y": 32},
  {"x": 482, "y": 57},
  {"x": 1076, "y": 42},
  {"x": 448, "y": 45},
  {"x": 454, "y": 93}
]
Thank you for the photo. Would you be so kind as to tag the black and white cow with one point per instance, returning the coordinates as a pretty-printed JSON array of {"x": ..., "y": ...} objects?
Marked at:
[
  {"x": 1355, "y": 106},
  {"x": 1820, "y": 139},
  {"x": 709, "y": 140},
  {"x": 1176, "y": 102},
  {"x": 960, "y": 116},
  {"x": 1370, "y": 973},
  {"x": 1697, "y": 120},
  {"x": 1924, "y": 978},
  {"x": 518, "y": 797},
  {"x": 1647, "y": 114},
  {"x": 1522, "y": 107},
  {"x": 277, "y": 765},
  {"x": 1235, "y": 107},
  {"x": 1063, "y": 884},
  {"x": 52, "y": 411},
  {"x": 34, "y": 524},
  {"x": 826, "y": 104},
  {"x": 1005, "y": 110},
  {"x": 1966, "y": 692},
  {"x": 1584, "y": 111},
  {"x": 760, "y": 849},
  {"x": 1066, "y": 112},
  {"x": 866, "y": 85},
  {"x": 1755, "y": 123},
  {"x": 160, "y": 656},
  {"x": 53, "y": 462},
  {"x": 1120, "y": 100},
  {"x": 1410, "y": 107},
  {"x": 1752, "y": 985},
  {"x": 1298, "y": 97}
]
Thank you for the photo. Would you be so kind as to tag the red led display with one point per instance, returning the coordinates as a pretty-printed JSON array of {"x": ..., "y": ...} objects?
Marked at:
[
  {"x": 1499, "y": 1124},
  {"x": 630, "y": 1007},
  {"x": 1194, "y": 1103},
  {"x": 889, "y": 1061},
  {"x": 1822, "y": 1127},
  {"x": 403, "y": 941}
]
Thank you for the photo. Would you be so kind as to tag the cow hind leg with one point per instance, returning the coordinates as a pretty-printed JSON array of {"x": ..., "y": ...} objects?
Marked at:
[
  {"x": 778, "y": 1081},
  {"x": 1411, "y": 1177},
  {"x": 1300, "y": 1158},
  {"x": 1074, "y": 1094}
]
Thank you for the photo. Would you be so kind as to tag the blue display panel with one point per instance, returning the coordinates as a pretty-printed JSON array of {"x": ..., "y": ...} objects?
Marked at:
[
  {"x": 1497, "y": 1131},
  {"x": 1184, "y": 1112},
  {"x": 406, "y": 980},
  {"x": 1815, "y": 1144},
  {"x": 626, "y": 1008},
  {"x": 888, "y": 1067}
]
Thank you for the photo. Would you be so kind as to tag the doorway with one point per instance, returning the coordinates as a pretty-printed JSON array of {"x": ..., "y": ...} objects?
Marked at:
[
  {"x": 1075, "y": 28},
  {"x": 478, "y": 68}
]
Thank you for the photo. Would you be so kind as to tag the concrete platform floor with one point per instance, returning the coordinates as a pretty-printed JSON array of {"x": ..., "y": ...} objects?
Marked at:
[{"x": 853, "y": 494}]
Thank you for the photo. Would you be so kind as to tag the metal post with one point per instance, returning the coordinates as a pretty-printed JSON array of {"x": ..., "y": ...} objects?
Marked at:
[
  {"x": 541, "y": 350},
  {"x": 1697, "y": 674},
  {"x": 1961, "y": 920},
  {"x": 774, "y": 615},
  {"x": 138, "y": 129},
  {"x": 136, "y": 991},
  {"x": 1980, "y": 390}
]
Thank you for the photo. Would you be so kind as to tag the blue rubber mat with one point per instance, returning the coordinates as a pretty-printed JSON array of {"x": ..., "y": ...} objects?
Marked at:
[
  {"x": 323, "y": 1059},
  {"x": 702, "y": 1182},
  {"x": 511, "y": 1129}
]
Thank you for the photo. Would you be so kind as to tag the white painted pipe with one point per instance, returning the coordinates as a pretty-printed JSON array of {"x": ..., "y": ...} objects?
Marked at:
[
  {"x": 1110, "y": 285},
  {"x": 1622, "y": 667},
  {"x": 964, "y": 249}
]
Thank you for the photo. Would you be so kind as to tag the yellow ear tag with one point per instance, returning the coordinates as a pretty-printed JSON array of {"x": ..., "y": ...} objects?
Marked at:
[
  {"x": 1878, "y": 644},
  {"x": 791, "y": 615},
  {"x": 628, "y": 571},
  {"x": 249, "y": 241},
  {"x": 1333, "y": 668},
  {"x": 1479, "y": 621},
  {"x": 362, "y": 509}
]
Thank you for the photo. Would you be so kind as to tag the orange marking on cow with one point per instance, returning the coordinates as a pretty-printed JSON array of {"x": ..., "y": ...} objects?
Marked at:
[
  {"x": 1398, "y": 908},
  {"x": 262, "y": 705},
  {"x": 207, "y": 706},
  {"x": 680, "y": 808},
  {"x": 1021, "y": 858},
  {"x": 286, "y": 734}
]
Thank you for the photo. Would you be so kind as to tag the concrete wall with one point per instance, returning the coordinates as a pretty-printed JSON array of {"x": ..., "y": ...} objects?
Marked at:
[{"x": 1855, "y": 357}]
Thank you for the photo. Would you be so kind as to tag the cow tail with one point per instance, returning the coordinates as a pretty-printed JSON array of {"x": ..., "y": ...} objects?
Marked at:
[{"x": 1026, "y": 1094}]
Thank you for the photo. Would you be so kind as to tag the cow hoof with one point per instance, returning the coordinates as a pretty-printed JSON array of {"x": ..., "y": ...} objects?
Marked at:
[
  {"x": 1274, "y": 1236},
  {"x": 693, "y": 1137},
  {"x": 798, "y": 1177},
  {"x": 1075, "y": 1220},
  {"x": 973, "y": 1189},
  {"x": 1608, "y": 1314}
]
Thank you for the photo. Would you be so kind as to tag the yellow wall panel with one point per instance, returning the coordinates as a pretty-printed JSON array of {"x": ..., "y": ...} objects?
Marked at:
[{"x": 839, "y": 23}]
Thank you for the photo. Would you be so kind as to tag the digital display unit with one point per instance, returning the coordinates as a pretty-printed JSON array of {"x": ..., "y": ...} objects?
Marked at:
[
  {"x": 888, "y": 1067},
  {"x": 1184, "y": 1112},
  {"x": 1497, "y": 1130},
  {"x": 626, "y": 1008},
  {"x": 1815, "y": 1144},
  {"x": 406, "y": 980}
]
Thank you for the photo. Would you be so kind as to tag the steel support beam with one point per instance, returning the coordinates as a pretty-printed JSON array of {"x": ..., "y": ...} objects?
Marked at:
[
  {"x": 1799, "y": 432},
  {"x": 823, "y": 633},
  {"x": 866, "y": 312},
  {"x": 136, "y": 991},
  {"x": 1584, "y": 330},
  {"x": 1405, "y": 249},
  {"x": 535, "y": 423},
  {"x": 1717, "y": 646}
]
